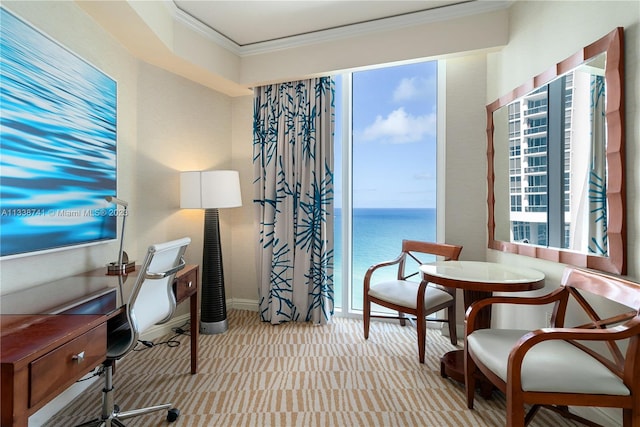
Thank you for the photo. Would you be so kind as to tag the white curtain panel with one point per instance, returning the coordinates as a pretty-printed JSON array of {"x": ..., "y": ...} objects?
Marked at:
[
  {"x": 293, "y": 196},
  {"x": 598, "y": 173}
]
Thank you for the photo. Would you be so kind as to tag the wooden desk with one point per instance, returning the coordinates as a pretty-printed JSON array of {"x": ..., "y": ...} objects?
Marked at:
[
  {"x": 186, "y": 286},
  {"x": 478, "y": 280},
  {"x": 43, "y": 354}
]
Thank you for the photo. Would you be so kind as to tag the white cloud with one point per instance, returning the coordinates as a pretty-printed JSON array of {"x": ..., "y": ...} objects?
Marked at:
[
  {"x": 412, "y": 88},
  {"x": 400, "y": 127}
]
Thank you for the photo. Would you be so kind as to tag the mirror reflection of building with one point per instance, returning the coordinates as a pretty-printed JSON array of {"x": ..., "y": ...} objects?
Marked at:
[
  {"x": 582, "y": 171},
  {"x": 556, "y": 162}
]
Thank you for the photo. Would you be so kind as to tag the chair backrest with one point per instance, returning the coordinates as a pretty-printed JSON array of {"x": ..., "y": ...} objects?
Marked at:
[
  {"x": 580, "y": 286},
  {"x": 152, "y": 300},
  {"x": 417, "y": 250}
]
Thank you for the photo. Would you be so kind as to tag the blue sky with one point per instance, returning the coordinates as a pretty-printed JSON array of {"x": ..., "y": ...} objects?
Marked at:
[{"x": 394, "y": 137}]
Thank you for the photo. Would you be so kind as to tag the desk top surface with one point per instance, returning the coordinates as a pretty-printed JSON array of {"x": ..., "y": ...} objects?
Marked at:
[
  {"x": 479, "y": 275},
  {"x": 53, "y": 297},
  {"x": 25, "y": 335},
  {"x": 58, "y": 295}
]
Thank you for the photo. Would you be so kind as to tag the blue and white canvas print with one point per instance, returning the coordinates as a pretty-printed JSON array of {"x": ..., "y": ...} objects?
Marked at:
[{"x": 57, "y": 144}]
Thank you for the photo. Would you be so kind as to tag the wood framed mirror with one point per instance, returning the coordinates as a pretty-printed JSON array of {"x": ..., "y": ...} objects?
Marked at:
[{"x": 555, "y": 155}]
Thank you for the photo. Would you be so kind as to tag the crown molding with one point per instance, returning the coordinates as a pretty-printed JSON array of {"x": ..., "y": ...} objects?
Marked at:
[{"x": 348, "y": 31}]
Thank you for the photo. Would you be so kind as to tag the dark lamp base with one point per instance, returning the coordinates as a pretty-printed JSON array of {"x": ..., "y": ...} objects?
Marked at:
[{"x": 210, "y": 328}]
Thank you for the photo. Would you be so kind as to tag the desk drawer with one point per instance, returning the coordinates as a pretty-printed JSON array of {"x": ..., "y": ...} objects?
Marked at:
[
  {"x": 186, "y": 284},
  {"x": 57, "y": 369}
]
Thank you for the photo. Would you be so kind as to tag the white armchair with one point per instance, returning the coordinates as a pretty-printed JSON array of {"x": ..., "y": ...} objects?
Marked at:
[{"x": 559, "y": 366}]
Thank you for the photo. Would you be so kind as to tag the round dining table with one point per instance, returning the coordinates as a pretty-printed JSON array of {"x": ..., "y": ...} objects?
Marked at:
[{"x": 478, "y": 280}]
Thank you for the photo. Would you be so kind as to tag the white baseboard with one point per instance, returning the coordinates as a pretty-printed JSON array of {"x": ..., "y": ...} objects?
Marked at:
[
  {"x": 157, "y": 331},
  {"x": 244, "y": 304}
]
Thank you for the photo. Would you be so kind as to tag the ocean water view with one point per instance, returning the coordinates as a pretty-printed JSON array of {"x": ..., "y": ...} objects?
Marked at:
[
  {"x": 377, "y": 237},
  {"x": 58, "y": 144}
]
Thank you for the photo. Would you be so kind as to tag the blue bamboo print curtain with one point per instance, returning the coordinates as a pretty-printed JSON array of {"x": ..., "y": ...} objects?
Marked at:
[
  {"x": 598, "y": 170},
  {"x": 293, "y": 195}
]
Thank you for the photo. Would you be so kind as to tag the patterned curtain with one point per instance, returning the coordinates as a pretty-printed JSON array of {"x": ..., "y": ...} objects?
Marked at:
[
  {"x": 293, "y": 127},
  {"x": 598, "y": 170}
]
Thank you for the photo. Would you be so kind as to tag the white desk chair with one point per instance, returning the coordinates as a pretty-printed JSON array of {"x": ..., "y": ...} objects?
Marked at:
[{"x": 151, "y": 302}]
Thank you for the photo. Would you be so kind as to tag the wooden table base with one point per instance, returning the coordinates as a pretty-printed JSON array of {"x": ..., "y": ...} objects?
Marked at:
[
  {"x": 452, "y": 366},
  {"x": 478, "y": 280}
]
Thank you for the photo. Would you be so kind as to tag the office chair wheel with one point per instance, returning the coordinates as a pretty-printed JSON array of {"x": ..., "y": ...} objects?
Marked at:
[{"x": 173, "y": 414}]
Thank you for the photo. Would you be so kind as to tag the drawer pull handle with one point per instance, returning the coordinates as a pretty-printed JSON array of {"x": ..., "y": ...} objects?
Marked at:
[
  {"x": 79, "y": 358},
  {"x": 190, "y": 283}
]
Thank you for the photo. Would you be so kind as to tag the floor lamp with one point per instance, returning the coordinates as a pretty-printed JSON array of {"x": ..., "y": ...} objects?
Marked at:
[{"x": 211, "y": 190}]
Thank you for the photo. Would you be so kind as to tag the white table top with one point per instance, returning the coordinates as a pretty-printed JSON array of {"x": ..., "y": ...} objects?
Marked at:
[{"x": 481, "y": 275}]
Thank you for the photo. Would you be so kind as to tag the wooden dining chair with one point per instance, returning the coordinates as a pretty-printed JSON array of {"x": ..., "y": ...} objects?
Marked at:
[
  {"x": 594, "y": 362},
  {"x": 412, "y": 297}
]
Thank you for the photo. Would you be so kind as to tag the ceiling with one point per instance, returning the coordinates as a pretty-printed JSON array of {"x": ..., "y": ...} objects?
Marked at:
[
  {"x": 232, "y": 45},
  {"x": 248, "y": 23}
]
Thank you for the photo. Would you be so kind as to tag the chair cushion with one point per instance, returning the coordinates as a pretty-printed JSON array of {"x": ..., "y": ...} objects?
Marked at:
[
  {"x": 404, "y": 293},
  {"x": 553, "y": 366}
]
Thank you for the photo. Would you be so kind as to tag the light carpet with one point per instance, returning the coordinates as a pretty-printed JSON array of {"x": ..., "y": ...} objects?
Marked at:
[{"x": 297, "y": 374}]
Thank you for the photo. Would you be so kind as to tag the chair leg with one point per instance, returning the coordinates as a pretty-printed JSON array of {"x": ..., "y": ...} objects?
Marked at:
[
  {"x": 136, "y": 412},
  {"x": 111, "y": 414},
  {"x": 630, "y": 418},
  {"x": 366, "y": 316},
  {"x": 421, "y": 329},
  {"x": 108, "y": 407},
  {"x": 532, "y": 413},
  {"x": 469, "y": 378},
  {"x": 451, "y": 320},
  {"x": 403, "y": 319},
  {"x": 515, "y": 409}
]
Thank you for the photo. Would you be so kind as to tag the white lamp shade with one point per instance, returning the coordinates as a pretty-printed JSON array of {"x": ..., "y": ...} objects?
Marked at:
[{"x": 210, "y": 189}]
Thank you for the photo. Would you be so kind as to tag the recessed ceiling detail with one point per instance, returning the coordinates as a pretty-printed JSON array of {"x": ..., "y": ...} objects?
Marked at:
[
  {"x": 166, "y": 36},
  {"x": 250, "y": 22},
  {"x": 250, "y": 27}
]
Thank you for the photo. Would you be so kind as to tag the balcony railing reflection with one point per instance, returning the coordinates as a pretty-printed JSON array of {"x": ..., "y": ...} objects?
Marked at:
[
  {"x": 537, "y": 149},
  {"x": 535, "y": 169},
  {"x": 536, "y": 189},
  {"x": 537, "y": 129}
]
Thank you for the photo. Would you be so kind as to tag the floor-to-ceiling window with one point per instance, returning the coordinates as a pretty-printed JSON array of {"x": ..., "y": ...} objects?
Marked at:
[{"x": 385, "y": 176}]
